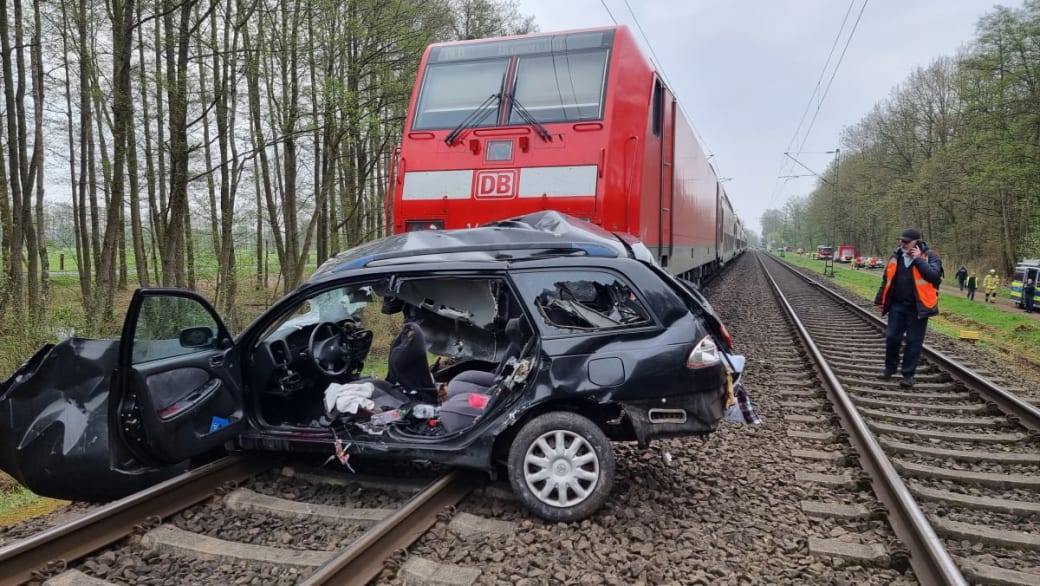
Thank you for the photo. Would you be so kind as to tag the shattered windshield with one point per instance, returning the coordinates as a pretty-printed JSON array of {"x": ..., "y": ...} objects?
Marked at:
[
  {"x": 335, "y": 305},
  {"x": 583, "y": 300}
]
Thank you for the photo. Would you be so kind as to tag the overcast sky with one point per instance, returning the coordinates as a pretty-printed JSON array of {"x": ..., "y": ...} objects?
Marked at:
[{"x": 744, "y": 71}]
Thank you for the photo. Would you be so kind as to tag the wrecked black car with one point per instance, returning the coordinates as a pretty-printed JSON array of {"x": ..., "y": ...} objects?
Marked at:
[{"x": 523, "y": 347}]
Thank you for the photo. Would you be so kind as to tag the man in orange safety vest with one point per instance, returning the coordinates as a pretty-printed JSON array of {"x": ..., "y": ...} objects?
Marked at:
[{"x": 909, "y": 294}]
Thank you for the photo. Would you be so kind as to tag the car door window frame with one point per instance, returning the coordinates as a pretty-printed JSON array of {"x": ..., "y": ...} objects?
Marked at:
[
  {"x": 552, "y": 331},
  {"x": 222, "y": 341}
]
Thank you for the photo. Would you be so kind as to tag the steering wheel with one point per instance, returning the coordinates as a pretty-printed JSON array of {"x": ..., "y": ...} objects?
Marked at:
[{"x": 330, "y": 352}]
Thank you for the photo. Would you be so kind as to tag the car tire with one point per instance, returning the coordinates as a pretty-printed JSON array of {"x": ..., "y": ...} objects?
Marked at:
[{"x": 565, "y": 484}]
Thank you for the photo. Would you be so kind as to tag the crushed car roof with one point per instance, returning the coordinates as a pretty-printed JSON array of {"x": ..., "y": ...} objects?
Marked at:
[{"x": 538, "y": 234}]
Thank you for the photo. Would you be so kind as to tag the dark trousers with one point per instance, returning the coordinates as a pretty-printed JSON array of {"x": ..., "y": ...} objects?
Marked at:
[
  {"x": 971, "y": 293},
  {"x": 1029, "y": 300},
  {"x": 961, "y": 283},
  {"x": 902, "y": 319}
]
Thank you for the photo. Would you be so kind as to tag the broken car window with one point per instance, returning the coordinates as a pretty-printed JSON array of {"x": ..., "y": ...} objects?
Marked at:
[
  {"x": 583, "y": 300},
  {"x": 169, "y": 326}
]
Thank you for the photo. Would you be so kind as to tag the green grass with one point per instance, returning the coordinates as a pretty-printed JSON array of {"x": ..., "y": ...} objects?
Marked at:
[
  {"x": 205, "y": 261},
  {"x": 16, "y": 498},
  {"x": 17, "y": 503},
  {"x": 1010, "y": 331}
]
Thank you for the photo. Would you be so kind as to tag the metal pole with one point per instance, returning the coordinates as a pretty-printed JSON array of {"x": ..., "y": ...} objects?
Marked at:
[{"x": 828, "y": 265}]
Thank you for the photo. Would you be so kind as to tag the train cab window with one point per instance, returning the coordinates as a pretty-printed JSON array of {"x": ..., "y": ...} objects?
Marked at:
[
  {"x": 561, "y": 87},
  {"x": 582, "y": 301},
  {"x": 658, "y": 107},
  {"x": 452, "y": 91}
]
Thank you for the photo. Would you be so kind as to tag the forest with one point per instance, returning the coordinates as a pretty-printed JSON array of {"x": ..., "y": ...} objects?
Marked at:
[
  {"x": 953, "y": 151},
  {"x": 227, "y": 146}
]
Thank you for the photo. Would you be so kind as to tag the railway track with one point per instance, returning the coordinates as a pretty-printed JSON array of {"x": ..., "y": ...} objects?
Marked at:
[
  {"x": 955, "y": 461},
  {"x": 231, "y": 520},
  {"x": 784, "y": 503}
]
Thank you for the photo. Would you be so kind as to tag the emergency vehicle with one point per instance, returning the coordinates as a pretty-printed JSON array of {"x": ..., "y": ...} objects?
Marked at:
[
  {"x": 845, "y": 253},
  {"x": 1027, "y": 269}
]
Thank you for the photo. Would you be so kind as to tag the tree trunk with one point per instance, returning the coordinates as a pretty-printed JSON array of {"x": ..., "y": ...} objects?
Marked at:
[
  {"x": 175, "y": 231},
  {"x": 15, "y": 276},
  {"x": 136, "y": 229}
]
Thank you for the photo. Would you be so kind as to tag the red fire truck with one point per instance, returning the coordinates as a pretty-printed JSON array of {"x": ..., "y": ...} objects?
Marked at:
[
  {"x": 578, "y": 122},
  {"x": 846, "y": 253}
]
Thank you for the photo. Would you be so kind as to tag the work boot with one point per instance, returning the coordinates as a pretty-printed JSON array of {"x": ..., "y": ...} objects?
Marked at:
[
  {"x": 886, "y": 374},
  {"x": 907, "y": 381}
]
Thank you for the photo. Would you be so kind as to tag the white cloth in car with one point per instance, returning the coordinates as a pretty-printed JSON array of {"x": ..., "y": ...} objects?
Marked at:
[{"x": 348, "y": 398}]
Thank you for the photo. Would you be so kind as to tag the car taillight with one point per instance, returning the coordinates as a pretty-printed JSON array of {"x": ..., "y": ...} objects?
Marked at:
[
  {"x": 417, "y": 225},
  {"x": 725, "y": 334},
  {"x": 704, "y": 354}
]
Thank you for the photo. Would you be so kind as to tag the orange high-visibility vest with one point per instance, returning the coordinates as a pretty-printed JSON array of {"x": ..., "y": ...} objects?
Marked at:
[{"x": 927, "y": 293}]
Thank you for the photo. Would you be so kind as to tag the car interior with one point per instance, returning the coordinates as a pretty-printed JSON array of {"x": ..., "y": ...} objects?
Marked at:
[{"x": 424, "y": 356}]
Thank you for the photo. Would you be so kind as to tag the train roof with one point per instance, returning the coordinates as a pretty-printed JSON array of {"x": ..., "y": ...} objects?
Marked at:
[{"x": 619, "y": 27}]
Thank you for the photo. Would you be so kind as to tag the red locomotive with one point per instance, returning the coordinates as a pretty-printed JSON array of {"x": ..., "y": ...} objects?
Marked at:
[{"x": 578, "y": 122}]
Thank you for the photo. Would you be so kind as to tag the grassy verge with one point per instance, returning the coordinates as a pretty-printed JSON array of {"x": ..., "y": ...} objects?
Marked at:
[
  {"x": 1008, "y": 331},
  {"x": 17, "y": 503}
]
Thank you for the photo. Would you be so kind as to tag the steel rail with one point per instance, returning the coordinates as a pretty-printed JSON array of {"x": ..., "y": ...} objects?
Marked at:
[
  {"x": 931, "y": 562},
  {"x": 23, "y": 559},
  {"x": 1025, "y": 414},
  {"x": 363, "y": 560}
]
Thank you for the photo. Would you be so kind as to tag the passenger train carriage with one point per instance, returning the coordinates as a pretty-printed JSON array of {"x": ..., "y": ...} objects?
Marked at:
[{"x": 578, "y": 122}]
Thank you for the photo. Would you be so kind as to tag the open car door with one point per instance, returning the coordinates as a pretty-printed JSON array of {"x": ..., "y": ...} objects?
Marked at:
[
  {"x": 96, "y": 420},
  {"x": 179, "y": 381}
]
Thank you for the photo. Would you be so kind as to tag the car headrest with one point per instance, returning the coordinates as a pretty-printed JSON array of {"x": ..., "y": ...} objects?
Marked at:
[
  {"x": 517, "y": 330},
  {"x": 582, "y": 291},
  {"x": 392, "y": 305}
]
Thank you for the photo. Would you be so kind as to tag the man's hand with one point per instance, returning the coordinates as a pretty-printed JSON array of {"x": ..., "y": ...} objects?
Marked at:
[{"x": 915, "y": 253}]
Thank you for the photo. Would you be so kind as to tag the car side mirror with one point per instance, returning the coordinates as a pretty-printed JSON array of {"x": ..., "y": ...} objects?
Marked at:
[{"x": 196, "y": 337}]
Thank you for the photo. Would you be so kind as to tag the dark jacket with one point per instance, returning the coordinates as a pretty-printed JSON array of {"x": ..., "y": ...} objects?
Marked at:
[
  {"x": 973, "y": 282},
  {"x": 962, "y": 273},
  {"x": 929, "y": 265}
]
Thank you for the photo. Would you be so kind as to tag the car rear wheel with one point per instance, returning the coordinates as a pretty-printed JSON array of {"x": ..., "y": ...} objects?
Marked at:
[{"x": 561, "y": 466}]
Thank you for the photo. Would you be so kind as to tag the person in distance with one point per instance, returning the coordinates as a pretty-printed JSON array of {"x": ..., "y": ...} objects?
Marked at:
[
  {"x": 909, "y": 294},
  {"x": 973, "y": 284},
  {"x": 991, "y": 283}
]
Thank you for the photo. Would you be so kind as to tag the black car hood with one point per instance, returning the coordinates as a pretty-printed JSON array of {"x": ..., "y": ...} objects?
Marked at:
[{"x": 55, "y": 425}]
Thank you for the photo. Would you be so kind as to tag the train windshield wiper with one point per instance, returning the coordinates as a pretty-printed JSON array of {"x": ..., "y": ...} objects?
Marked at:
[
  {"x": 526, "y": 116},
  {"x": 475, "y": 117}
]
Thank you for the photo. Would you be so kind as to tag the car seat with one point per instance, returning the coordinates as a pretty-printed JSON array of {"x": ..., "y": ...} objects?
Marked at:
[
  {"x": 471, "y": 391},
  {"x": 407, "y": 366},
  {"x": 518, "y": 332}
]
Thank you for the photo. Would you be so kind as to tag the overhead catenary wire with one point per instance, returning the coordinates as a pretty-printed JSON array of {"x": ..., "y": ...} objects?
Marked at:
[
  {"x": 778, "y": 185},
  {"x": 827, "y": 89},
  {"x": 664, "y": 77},
  {"x": 783, "y": 172},
  {"x": 609, "y": 13}
]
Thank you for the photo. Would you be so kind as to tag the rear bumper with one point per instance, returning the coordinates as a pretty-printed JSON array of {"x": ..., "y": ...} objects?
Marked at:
[{"x": 681, "y": 415}]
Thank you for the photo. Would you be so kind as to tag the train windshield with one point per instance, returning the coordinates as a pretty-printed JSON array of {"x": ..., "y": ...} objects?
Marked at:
[
  {"x": 561, "y": 88},
  {"x": 452, "y": 91},
  {"x": 558, "y": 78}
]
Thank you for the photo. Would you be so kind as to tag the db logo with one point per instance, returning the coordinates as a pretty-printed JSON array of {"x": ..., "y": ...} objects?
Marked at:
[{"x": 498, "y": 183}]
